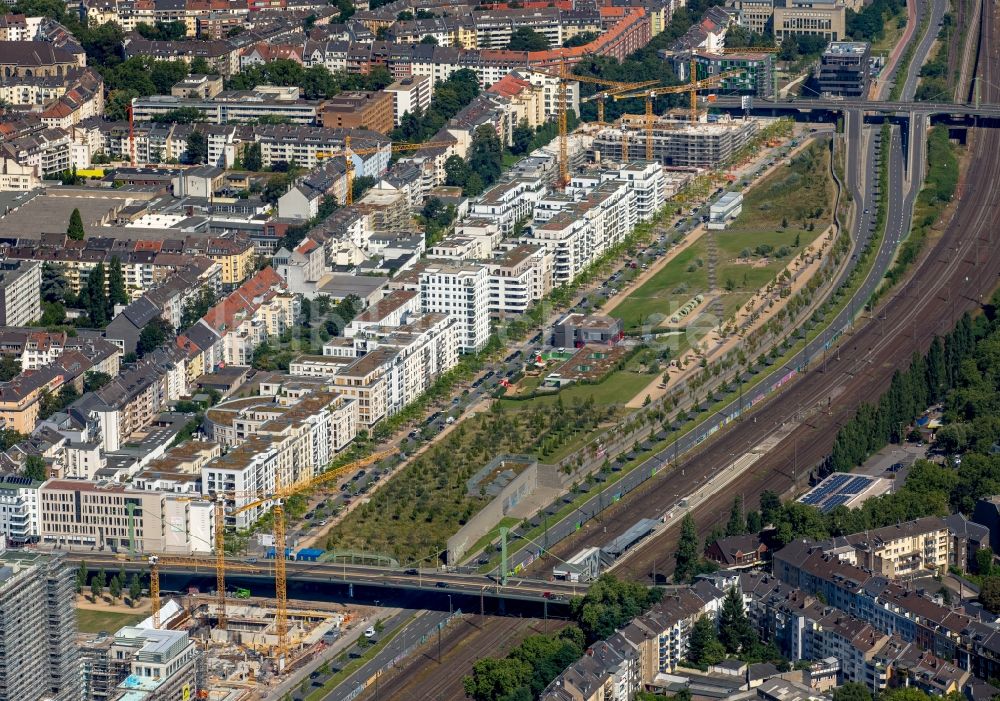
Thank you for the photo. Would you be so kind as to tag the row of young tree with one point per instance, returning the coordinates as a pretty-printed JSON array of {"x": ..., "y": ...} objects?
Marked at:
[{"x": 98, "y": 582}]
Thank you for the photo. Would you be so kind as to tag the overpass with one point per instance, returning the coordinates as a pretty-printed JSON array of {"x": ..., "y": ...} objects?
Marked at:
[
  {"x": 339, "y": 577},
  {"x": 907, "y": 108}
]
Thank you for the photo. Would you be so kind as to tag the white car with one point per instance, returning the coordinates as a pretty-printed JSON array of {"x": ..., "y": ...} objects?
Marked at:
[{"x": 370, "y": 632}]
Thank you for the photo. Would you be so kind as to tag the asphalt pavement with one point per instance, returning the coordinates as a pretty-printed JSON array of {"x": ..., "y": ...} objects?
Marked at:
[{"x": 411, "y": 633}]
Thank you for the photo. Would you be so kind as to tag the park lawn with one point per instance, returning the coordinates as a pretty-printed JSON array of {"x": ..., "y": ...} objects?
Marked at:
[
  {"x": 95, "y": 621},
  {"x": 668, "y": 289},
  {"x": 792, "y": 194},
  {"x": 617, "y": 388}
]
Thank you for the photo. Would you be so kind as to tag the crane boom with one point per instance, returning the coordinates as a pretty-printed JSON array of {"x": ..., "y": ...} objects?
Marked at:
[
  {"x": 283, "y": 492},
  {"x": 691, "y": 87},
  {"x": 154, "y": 575}
]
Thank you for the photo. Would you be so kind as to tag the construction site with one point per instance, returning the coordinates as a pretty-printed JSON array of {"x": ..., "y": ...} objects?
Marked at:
[
  {"x": 230, "y": 662},
  {"x": 677, "y": 142}
]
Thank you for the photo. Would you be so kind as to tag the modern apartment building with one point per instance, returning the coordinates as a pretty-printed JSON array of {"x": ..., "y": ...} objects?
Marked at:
[
  {"x": 518, "y": 278},
  {"x": 410, "y": 94},
  {"x": 20, "y": 293},
  {"x": 461, "y": 292},
  {"x": 38, "y": 657},
  {"x": 18, "y": 510}
]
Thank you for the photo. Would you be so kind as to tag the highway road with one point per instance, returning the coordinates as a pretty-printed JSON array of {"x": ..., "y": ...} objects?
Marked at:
[
  {"x": 414, "y": 580},
  {"x": 923, "y": 50},
  {"x": 426, "y": 625}
]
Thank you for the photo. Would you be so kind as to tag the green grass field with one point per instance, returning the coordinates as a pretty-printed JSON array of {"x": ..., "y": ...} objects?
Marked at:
[
  {"x": 90, "y": 621},
  {"x": 671, "y": 287},
  {"x": 781, "y": 215}
]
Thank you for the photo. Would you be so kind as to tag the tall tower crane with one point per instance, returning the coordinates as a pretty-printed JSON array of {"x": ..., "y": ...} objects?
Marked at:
[
  {"x": 188, "y": 562},
  {"x": 603, "y": 95},
  {"x": 276, "y": 498},
  {"x": 565, "y": 77},
  {"x": 348, "y": 152},
  {"x": 692, "y": 87}
]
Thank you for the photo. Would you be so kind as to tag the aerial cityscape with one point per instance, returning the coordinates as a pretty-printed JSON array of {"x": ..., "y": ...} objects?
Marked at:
[{"x": 514, "y": 350}]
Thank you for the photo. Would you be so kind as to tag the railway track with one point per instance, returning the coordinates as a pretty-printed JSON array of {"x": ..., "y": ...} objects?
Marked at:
[
  {"x": 953, "y": 276},
  {"x": 462, "y": 644}
]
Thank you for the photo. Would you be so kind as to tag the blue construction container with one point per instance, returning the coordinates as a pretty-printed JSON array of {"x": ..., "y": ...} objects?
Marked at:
[{"x": 309, "y": 554}]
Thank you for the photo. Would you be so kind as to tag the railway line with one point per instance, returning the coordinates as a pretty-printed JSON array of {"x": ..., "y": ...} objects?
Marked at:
[{"x": 954, "y": 275}]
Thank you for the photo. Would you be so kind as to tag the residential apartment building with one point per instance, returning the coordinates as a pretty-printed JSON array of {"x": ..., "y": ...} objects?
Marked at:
[
  {"x": 652, "y": 644},
  {"x": 38, "y": 657},
  {"x": 518, "y": 278},
  {"x": 257, "y": 310},
  {"x": 18, "y": 510},
  {"x": 359, "y": 110},
  {"x": 508, "y": 203},
  {"x": 584, "y": 229},
  {"x": 20, "y": 293},
  {"x": 410, "y": 94},
  {"x": 904, "y": 549},
  {"x": 461, "y": 292}
]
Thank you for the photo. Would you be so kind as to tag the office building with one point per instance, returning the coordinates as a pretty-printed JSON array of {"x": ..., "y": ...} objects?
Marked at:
[
  {"x": 38, "y": 658},
  {"x": 825, "y": 18},
  {"x": 845, "y": 69}
]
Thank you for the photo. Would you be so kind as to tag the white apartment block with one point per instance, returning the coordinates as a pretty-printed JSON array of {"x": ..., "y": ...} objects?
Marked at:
[
  {"x": 250, "y": 469},
  {"x": 409, "y": 95},
  {"x": 423, "y": 348},
  {"x": 507, "y": 203},
  {"x": 390, "y": 311},
  {"x": 579, "y": 234},
  {"x": 461, "y": 292},
  {"x": 519, "y": 278},
  {"x": 18, "y": 510},
  {"x": 20, "y": 286}
]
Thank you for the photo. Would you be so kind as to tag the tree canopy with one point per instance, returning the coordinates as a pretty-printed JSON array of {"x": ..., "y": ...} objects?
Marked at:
[
  {"x": 609, "y": 604},
  {"x": 527, "y": 39}
]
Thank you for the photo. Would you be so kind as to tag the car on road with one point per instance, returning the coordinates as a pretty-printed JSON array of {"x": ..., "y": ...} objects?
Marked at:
[
  {"x": 370, "y": 632},
  {"x": 411, "y": 571},
  {"x": 314, "y": 675},
  {"x": 896, "y": 467},
  {"x": 441, "y": 585}
]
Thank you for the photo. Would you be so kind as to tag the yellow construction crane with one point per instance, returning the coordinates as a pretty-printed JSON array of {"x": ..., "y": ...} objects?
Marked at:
[
  {"x": 691, "y": 87},
  {"x": 565, "y": 77},
  {"x": 280, "y": 493},
  {"x": 347, "y": 152},
  {"x": 188, "y": 562}
]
